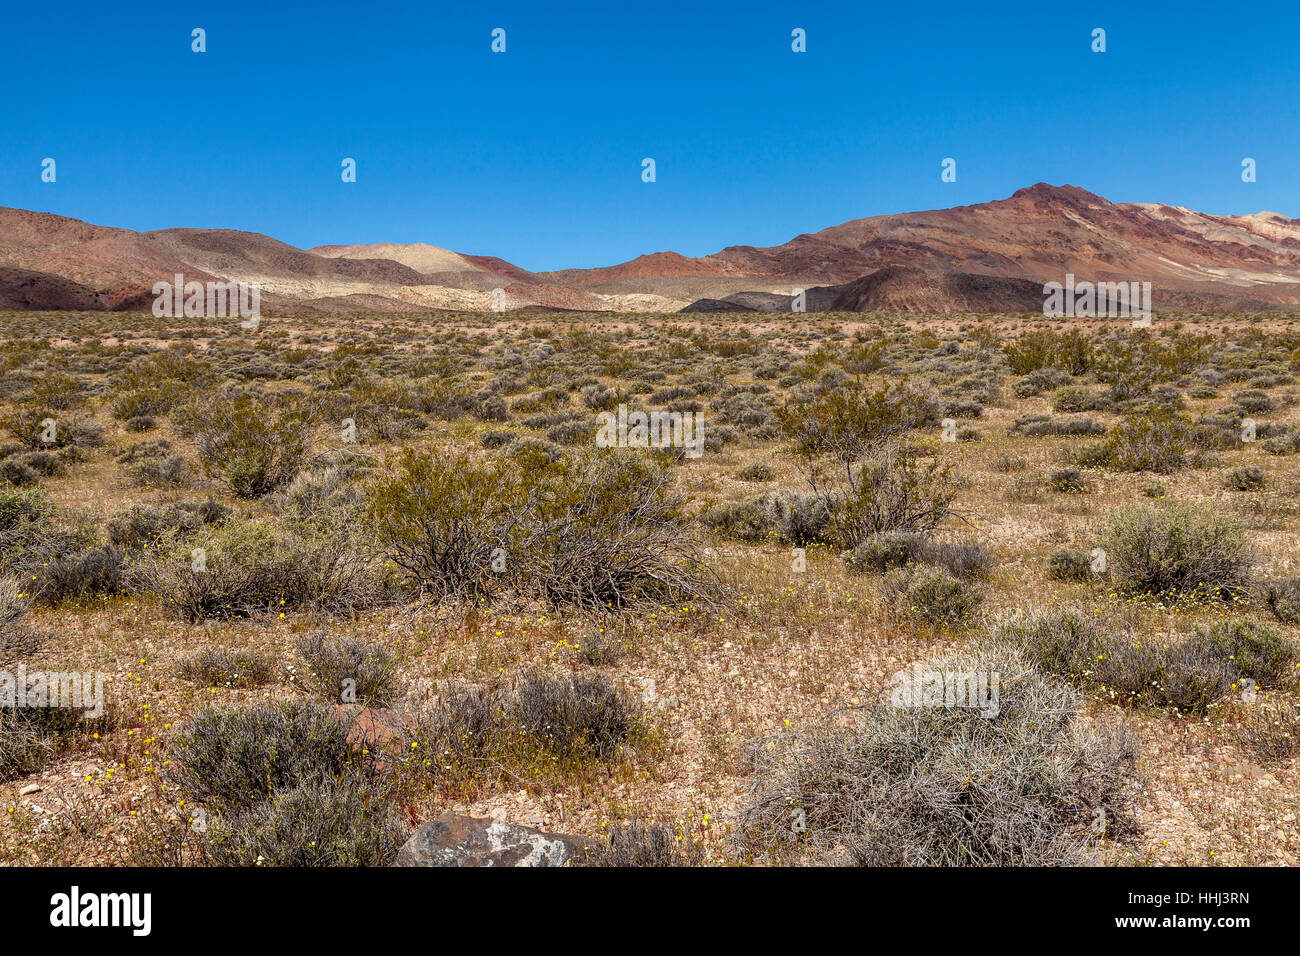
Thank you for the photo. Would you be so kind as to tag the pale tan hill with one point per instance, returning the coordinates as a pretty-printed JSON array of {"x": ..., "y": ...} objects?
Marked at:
[{"x": 420, "y": 256}]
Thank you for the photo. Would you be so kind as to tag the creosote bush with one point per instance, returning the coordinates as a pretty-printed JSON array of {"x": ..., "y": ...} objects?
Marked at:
[
  {"x": 597, "y": 531},
  {"x": 1177, "y": 551}
]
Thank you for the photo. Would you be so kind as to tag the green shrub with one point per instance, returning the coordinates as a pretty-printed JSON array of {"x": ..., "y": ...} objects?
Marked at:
[
  {"x": 1257, "y": 651},
  {"x": 1249, "y": 478},
  {"x": 1070, "y": 564},
  {"x": 253, "y": 567},
  {"x": 1149, "y": 441},
  {"x": 1175, "y": 550},
  {"x": 256, "y": 444},
  {"x": 1282, "y": 597}
]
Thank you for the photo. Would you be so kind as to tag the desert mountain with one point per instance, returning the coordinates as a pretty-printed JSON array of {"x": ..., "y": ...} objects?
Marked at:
[{"x": 989, "y": 256}]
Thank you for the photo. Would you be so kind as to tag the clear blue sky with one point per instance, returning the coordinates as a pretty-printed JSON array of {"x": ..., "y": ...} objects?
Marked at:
[{"x": 535, "y": 155}]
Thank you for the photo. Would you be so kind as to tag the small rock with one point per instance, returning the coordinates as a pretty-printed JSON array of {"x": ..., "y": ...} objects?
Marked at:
[
  {"x": 456, "y": 840},
  {"x": 30, "y": 788},
  {"x": 372, "y": 728}
]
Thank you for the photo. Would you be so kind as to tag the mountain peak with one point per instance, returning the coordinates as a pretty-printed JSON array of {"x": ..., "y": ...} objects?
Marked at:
[{"x": 1049, "y": 193}]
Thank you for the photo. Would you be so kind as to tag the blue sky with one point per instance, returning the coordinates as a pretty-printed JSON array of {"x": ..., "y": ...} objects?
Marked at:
[{"x": 535, "y": 155}]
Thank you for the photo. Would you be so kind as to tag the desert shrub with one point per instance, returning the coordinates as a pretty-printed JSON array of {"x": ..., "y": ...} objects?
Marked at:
[
  {"x": 84, "y": 574},
  {"x": 1152, "y": 441},
  {"x": 1176, "y": 550},
  {"x": 31, "y": 736},
  {"x": 255, "y": 444},
  {"x": 575, "y": 716},
  {"x": 27, "y": 468},
  {"x": 1073, "y": 398},
  {"x": 1252, "y": 400},
  {"x": 802, "y": 519},
  {"x": 598, "y": 397},
  {"x": 1068, "y": 480},
  {"x": 227, "y": 667},
  {"x": 890, "y": 549},
  {"x": 322, "y": 494},
  {"x": 1192, "y": 675},
  {"x": 1042, "y": 425},
  {"x": 348, "y": 668},
  {"x": 1249, "y": 478},
  {"x": 572, "y": 433},
  {"x": 1069, "y": 564},
  {"x": 642, "y": 843},
  {"x": 1061, "y": 642},
  {"x": 14, "y": 607},
  {"x": 161, "y": 472},
  {"x": 753, "y": 519},
  {"x": 930, "y": 594},
  {"x": 963, "y": 557},
  {"x": 1282, "y": 597},
  {"x": 545, "y": 399},
  {"x": 1040, "y": 380},
  {"x": 1257, "y": 651},
  {"x": 39, "y": 428},
  {"x": 141, "y": 526},
  {"x": 892, "y": 492},
  {"x": 897, "y": 788},
  {"x": 536, "y": 725},
  {"x": 600, "y": 530},
  {"x": 321, "y": 821},
  {"x": 1270, "y": 730},
  {"x": 497, "y": 438},
  {"x": 756, "y": 471},
  {"x": 19, "y": 507},
  {"x": 850, "y": 424},
  {"x": 250, "y": 567},
  {"x": 233, "y": 759}
]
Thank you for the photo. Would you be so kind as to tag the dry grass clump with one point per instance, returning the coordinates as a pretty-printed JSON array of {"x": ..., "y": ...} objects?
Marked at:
[
  {"x": 643, "y": 843},
  {"x": 537, "y": 726},
  {"x": 349, "y": 669},
  {"x": 227, "y": 667}
]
